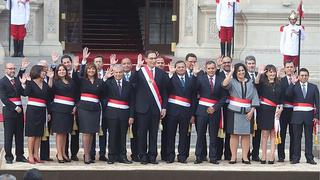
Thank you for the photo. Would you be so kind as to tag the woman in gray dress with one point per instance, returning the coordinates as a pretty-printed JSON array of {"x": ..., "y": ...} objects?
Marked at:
[{"x": 242, "y": 102}]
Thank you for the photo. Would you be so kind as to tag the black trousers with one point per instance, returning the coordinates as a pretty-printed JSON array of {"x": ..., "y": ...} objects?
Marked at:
[
  {"x": 45, "y": 146},
  {"x": 117, "y": 139},
  {"x": 13, "y": 127},
  {"x": 297, "y": 135},
  {"x": 256, "y": 144},
  {"x": 204, "y": 148},
  {"x": 133, "y": 141},
  {"x": 284, "y": 123},
  {"x": 148, "y": 124},
  {"x": 172, "y": 125},
  {"x": 164, "y": 136},
  {"x": 74, "y": 143},
  {"x": 102, "y": 144},
  {"x": 224, "y": 143},
  {"x": 202, "y": 124}
]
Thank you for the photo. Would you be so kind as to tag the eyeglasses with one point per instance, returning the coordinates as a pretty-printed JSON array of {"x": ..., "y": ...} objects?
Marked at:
[
  {"x": 226, "y": 63},
  {"x": 11, "y": 68}
]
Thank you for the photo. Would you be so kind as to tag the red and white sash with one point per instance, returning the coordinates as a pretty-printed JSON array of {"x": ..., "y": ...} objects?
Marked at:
[
  {"x": 36, "y": 102},
  {"x": 63, "y": 100},
  {"x": 178, "y": 100},
  {"x": 152, "y": 85},
  {"x": 239, "y": 102},
  {"x": 207, "y": 102},
  {"x": 118, "y": 104},
  {"x": 89, "y": 97},
  {"x": 287, "y": 104},
  {"x": 302, "y": 107},
  {"x": 16, "y": 101},
  {"x": 267, "y": 102}
]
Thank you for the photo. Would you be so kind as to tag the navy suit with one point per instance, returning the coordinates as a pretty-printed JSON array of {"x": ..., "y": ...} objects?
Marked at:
[
  {"x": 177, "y": 114},
  {"x": 204, "y": 119},
  {"x": 303, "y": 119},
  {"x": 13, "y": 121},
  {"x": 285, "y": 119},
  {"x": 117, "y": 119},
  {"x": 148, "y": 113}
]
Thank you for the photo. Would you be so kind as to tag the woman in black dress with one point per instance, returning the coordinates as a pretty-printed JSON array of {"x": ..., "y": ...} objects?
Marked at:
[
  {"x": 38, "y": 93},
  {"x": 88, "y": 108},
  {"x": 270, "y": 108},
  {"x": 62, "y": 109}
]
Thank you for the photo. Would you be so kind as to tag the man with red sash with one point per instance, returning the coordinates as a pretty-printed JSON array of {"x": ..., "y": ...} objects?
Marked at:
[
  {"x": 212, "y": 98},
  {"x": 305, "y": 98},
  {"x": 150, "y": 105},
  {"x": 224, "y": 22},
  {"x": 10, "y": 92},
  {"x": 120, "y": 114},
  {"x": 181, "y": 107},
  {"x": 285, "y": 116}
]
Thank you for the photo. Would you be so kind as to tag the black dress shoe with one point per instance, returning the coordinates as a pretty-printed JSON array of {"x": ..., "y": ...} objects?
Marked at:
[
  {"x": 281, "y": 160},
  {"x": 294, "y": 162},
  {"x": 169, "y": 161},
  {"x": 213, "y": 161},
  {"x": 257, "y": 159},
  {"x": 9, "y": 161},
  {"x": 74, "y": 158},
  {"x": 110, "y": 161},
  {"x": 21, "y": 159},
  {"x": 103, "y": 158},
  {"x": 246, "y": 162},
  {"x": 144, "y": 162},
  {"x": 183, "y": 161},
  {"x": 311, "y": 162},
  {"x": 153, "y": 162},
  {"x": 271, "y": 162},
  {"x": 125, "y": 161},
  {"x": 197, "y": 161},
  {"x": 135, "y": 159}
]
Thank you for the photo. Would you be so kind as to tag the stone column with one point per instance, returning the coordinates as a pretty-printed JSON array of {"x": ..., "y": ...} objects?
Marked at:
[
  {"x": 188, "y": 24},
  {"x": 50, "y": 28}
]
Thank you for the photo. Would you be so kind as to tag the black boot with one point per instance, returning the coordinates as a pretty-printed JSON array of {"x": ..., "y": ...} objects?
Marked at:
[
  {"x": 15, "y": 48},
  {"x": 20, "y": 49},
  {"x": 223, "y": 49},
  {"x": 229, "y": 49}
]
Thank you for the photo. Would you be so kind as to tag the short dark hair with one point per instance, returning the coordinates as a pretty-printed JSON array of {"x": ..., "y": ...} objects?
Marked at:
[
  {"x": 209, "y": 62},
  {"x": 56, "y": 76},
  {"x": 178, "y": 62},
  {"x": 65, "y": 57},
  {"x": 151, "y": 52},
  {"x": 288, "y": 62},
  {"x": 98, "y": 56},
  {"x": 88, "y": 66},
  {"x": 190, "y": 55},
  {"x": 32, "y": 174},
  {"x": 35, "y": 71},
  {"x": 250, "y": 58},
  {"x": 303, "y": 70},
  {"x": 236, "y": 68}
]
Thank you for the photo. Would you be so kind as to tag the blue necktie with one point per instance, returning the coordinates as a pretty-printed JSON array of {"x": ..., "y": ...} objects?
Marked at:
[
  {"x": 304, "y": 90},
  {"x": 182, "y": 82}
]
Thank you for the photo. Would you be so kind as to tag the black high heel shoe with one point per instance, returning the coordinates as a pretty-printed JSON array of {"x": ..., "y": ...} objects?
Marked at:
[
  {"x": 59, "y": 161},
  {"x": 84, "y": 160},
  {"x": 66, "y": 160},
  {"x": 271, "y": 162},
  {"x": 246, "y": 162},
  {"x": 263, "y": 161},
  {"x": 232, "y": 161}
]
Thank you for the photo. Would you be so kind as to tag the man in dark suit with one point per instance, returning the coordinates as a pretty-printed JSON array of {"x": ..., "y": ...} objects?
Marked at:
[
  {"x": 285, "y": 116},
  {"x": 120, "y": 114},
  {"x": 181, "y": 107},
  {"x": 128, "y": 76},
  {"x": 212, "y": 98},
  {"x": 150, "y": 104},
  {"x": 10, "y": 92},
  {"x": 224, "y": 143},
  {"x": 250, "y": 62},
  {"x": 305, "y": 98}
]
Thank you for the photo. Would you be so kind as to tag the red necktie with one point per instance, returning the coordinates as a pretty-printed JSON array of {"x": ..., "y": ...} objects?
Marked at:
[{"x": 211, "y": 85}]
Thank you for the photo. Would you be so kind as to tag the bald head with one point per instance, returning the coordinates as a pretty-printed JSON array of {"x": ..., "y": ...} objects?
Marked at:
[{"x": 10, "y": 69}]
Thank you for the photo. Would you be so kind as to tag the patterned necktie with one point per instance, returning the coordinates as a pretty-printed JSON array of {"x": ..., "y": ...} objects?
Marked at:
[
  {"x": 13, "y": 83},
  {"x": 119, "y": 87},
  {"x": 211, "y": 85},
  {"x": 182, "y": 82},
  {"x": 304, "y": 90},
  {"x": 252, "y": 77}
]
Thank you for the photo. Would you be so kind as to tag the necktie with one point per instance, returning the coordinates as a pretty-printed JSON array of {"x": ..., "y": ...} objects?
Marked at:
[
  {"x": 151, "y": 70},
  {"x": 290, "y": 79},
  {"x": 119, "y": 87},
  {"x": 13, "y": 82},
  {"x": 252, "y": 77},
  {"x": 182, "y": 82},
  {"x": 190, "y": 73},
  {"x": 211, "y": 85},
  {"x": 127, "y": 77},
  {"x": 304, "y": 90}
]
